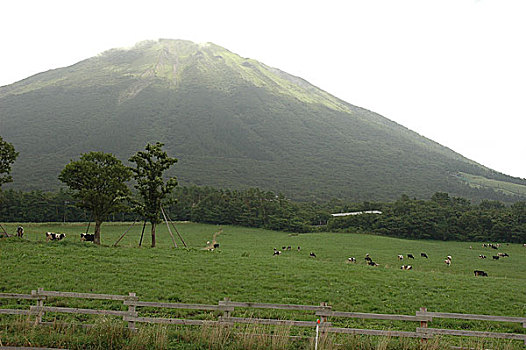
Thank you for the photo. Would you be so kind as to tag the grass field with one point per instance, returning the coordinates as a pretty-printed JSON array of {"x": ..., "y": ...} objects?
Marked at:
[
  {"x": 508, "y": 188},
  {"x": 244, "y": 269}
]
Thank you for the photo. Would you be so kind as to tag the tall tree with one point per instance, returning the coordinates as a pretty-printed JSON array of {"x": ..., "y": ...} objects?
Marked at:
[
  {"x": 99, "y": 183},
  {"x": 150, "y": 166},
  {"x": 7, "y": 157}
]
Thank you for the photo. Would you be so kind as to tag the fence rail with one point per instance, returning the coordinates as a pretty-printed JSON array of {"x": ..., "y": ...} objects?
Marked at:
[{"x": 226, "y": 307}]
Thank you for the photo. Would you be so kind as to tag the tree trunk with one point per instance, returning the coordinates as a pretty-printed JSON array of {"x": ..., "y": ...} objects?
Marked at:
[
  {"x": 96, "y": 238},
  {"x": 153, "y": 235}
]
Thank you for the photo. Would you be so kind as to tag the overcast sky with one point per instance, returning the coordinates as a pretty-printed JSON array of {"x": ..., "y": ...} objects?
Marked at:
[{"x": 452, "y": 70}]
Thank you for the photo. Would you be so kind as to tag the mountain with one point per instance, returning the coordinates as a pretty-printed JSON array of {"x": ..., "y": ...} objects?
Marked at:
[{"x": 232, "y": 122}]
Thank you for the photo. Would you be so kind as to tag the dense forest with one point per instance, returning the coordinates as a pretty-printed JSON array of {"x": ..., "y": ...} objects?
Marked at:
[{"x": 442, "y": 217}]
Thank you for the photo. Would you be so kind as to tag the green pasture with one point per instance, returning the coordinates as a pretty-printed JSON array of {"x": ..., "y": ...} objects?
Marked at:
[
  {"x": 244, "y": 269},
  {"x": 500, "y": 186}
]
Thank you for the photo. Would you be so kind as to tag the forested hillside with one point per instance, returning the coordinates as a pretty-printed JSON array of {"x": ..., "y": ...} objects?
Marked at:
[{"x": 232, "y": 122}]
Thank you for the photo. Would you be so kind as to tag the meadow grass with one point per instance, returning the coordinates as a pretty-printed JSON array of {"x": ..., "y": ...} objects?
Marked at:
[{"x": 244, "y": 269}]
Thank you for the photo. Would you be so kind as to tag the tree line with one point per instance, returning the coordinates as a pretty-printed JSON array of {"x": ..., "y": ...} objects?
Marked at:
[
  {"x": 442, "y": 217},
  {"x": 98, "y": 191}
]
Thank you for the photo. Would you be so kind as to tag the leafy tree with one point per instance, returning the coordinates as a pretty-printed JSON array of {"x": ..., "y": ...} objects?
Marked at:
[
  {"x": 99, "y": 183},
  {"x": 7, "y": 157},
  {"x": 148, "y": 172}
]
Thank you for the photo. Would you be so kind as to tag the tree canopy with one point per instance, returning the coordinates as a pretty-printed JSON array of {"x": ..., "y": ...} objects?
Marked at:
[
  {"x": 150, "y": 166},
  {"x": 99, "y": 183},
  {"x": 7, "y": 158}
]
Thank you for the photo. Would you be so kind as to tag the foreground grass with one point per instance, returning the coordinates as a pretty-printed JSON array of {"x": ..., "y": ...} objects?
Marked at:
[
  {"x": 244, "y": 269},
  {"x": 107, "y": 334}
]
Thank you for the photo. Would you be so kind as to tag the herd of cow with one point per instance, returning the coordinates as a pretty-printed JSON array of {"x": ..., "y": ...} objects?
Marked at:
[
  {"x": 90, "y": 237},
  {"x": 51, "y": 236},
  {"x": 447, "y": 260}
]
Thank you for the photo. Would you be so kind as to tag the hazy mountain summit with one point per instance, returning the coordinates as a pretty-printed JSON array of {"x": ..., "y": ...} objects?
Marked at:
[{"x": 232, "y": 122}]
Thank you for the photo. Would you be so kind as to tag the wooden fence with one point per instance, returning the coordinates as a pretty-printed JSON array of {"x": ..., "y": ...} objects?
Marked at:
[{"x": 226, "y": 308}]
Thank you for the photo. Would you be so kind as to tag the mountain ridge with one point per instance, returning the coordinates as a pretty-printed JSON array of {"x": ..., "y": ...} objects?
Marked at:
[{"x": 231, "y": 121}]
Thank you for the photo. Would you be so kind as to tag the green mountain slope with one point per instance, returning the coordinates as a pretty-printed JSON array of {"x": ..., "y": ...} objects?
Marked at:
[{"x": 232, "y": 122}]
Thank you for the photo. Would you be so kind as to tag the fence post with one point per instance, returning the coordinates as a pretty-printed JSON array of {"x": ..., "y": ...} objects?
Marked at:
[
  {"x": 226, "y": 313},
  {"x": 323, "y": 318},
  {"x": 423, "y": 324},
  {"x": 40, "y": 303},
  {"x": 321, "y": 325},
  {"x": 132, "y": 312}
]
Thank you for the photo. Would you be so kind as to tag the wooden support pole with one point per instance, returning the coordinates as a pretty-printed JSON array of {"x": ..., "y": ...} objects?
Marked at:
[
  {"x": 166, "y": 221},
  {"x": 178, "y": 234},
  {"x": 3, "y": 229},
  {"x": 124, "y": 234},
  {"x": 142, "y": 233}
]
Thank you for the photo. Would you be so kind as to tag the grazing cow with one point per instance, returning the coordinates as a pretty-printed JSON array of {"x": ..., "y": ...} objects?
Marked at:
[
  {"x": 289, "y": 248},
  {"x": 447, "y": 262},
  {"x": 299, "y": 248},
  {"x": 283, "y": 248},
  {"x": 423, "y": 255},
  {"x": 480, "y": 273},
  {"x": 277, "y": 252},
  {"x": 312, "y": 254},
  {"x": 88, "y": 237},
  {"x": 352, "y": 260},
  {"x": 496, "y": 257},
  {"x": 372, "y": 263},
  {"x": 216, "y": 245},
  {"x": 482, "y": 256},
  {"x": 449, "y": 257},
  {"x": 367, "y": 258},
  {"x": 54, "y": 236},
  {"x": 400, "y": 257},
  {"x": 502, "y": 255},
  {"x": 406, "y": 267},
  {"x": 410, "y": 256},
  {"x": 19, "y": 231}
]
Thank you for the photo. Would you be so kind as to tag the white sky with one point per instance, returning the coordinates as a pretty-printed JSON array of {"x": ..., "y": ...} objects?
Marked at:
[{"x": 452, "y": 70}]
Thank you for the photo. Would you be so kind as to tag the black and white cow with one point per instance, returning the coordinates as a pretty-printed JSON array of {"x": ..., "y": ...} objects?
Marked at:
[
  {"x": 50, "y": 236},
  {"x": 423, "y": 255},
  {"x": 19, "y": 231},
  {"x": 88, "y": 237},
  {"x": 480, "y": 273},
  {"x": 406, "y": 267},
  {"x": 410, "y": 256}
]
